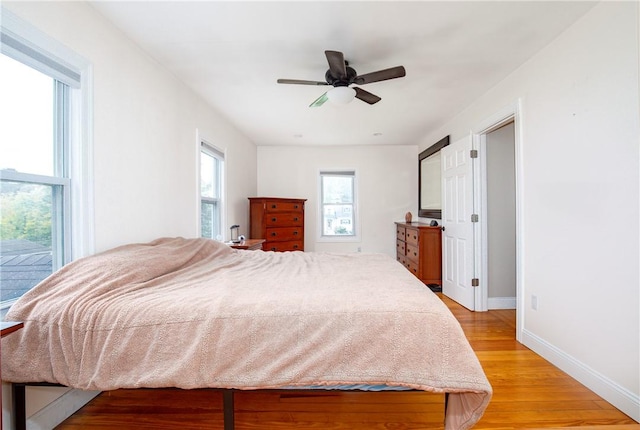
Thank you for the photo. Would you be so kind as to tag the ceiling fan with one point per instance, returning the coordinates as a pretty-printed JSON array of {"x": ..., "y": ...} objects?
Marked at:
[{"x": 340, "y": 75}]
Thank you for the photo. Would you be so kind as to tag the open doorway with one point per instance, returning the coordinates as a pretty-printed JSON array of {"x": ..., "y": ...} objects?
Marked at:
[
  {"x": 498, "y": 140},
  {"x": 499, "y": 220}
]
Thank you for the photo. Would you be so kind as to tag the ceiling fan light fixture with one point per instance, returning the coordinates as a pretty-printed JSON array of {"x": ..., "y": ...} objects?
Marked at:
[{"x": 341, "y": 95}]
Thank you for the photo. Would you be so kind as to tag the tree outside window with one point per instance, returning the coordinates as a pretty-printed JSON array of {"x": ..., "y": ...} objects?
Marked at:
[{"x": 34, "y": 180}]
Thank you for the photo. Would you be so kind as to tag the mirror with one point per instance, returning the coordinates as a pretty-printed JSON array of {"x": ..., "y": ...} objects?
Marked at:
[{"x": 429, "y": 181}]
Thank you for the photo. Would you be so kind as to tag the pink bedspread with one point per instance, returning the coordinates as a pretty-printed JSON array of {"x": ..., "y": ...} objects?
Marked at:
[{"x": 194, "y": 313}]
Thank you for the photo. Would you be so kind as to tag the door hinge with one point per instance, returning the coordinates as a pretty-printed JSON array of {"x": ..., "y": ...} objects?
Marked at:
[
  {"x": 475, "y": 282},
  {"x": 475, "y": 218},
  {"x": 474, "y": 153}
]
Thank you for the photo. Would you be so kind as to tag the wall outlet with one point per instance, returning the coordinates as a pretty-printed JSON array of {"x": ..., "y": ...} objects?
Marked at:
[{"x": 534, "y": 303}]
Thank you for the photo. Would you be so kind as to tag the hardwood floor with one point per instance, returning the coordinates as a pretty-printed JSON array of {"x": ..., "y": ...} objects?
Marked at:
[{"x": 529, "y": 393}]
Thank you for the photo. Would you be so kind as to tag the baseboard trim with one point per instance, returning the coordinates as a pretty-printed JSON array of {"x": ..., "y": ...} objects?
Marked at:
[
  {"x": 618, "y": 396},
  {"x": 60, "y": 409},
  {"x": 501, "y": 303}
]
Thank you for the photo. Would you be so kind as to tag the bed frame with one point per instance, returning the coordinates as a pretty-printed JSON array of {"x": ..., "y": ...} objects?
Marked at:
[{"x": 20, "y": 413}]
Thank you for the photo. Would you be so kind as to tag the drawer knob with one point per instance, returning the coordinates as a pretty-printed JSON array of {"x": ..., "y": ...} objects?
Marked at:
[
  {"x": 295, "y": 206},
  {"x": 273, "y": 233},
  {"x": 295, "y": 246},
  {"x": 295, "y": 233},
  {"x": 273, "y": 249},
  {"x": 273, "y": 206},
  {"x": 295, "y": 219},
  {"x": 274, "y": 219}
]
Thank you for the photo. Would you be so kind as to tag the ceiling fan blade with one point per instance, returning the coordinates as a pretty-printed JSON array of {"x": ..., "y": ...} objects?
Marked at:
[
  {"x": 337, "y": 66},
  {"x": 366, "y": 96},
  {"x": 381, "y": 75},
  {"x": 319, "y": 101},
  {"x": 300, "y": 82}
]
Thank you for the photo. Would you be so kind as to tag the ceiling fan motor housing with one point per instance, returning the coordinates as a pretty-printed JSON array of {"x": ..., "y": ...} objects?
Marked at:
[{"x": 343, "y": 81}]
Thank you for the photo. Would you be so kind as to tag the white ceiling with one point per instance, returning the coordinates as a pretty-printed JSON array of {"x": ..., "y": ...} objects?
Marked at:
[{"x": 232, "y": 53}]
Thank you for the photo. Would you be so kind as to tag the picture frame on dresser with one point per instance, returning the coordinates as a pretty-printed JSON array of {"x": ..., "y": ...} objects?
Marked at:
[{"x": 430, "y": 181}]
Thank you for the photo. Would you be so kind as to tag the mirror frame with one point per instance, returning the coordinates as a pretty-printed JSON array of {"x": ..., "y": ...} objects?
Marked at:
[{"x": 436, "y": 147}]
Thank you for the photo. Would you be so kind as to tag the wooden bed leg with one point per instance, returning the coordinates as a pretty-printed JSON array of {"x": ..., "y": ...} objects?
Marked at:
[
  {"x": 19, "y": 407},
  {"x": 228, "y": 409},
  {"x": 446, "y": 403}
]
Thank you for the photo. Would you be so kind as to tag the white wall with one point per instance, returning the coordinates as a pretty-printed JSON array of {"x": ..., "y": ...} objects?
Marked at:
[
  {"x": 144, "y": 136},
  {"x": 387, "y": 178},
  {"x": 580, "y": 196}
]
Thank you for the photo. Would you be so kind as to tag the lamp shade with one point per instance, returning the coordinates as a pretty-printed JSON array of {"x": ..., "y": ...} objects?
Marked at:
[{"x": 341, "y": 95}]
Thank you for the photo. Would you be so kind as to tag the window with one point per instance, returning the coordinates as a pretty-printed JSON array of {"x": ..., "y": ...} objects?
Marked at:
[
  {"x": 43, "y": 172},
  {"x": 338, "y": 208},
  {"x": 211, "y": 191}
]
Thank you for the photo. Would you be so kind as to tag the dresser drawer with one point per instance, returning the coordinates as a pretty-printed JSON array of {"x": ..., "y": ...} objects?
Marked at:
[
  {"x": 412, "y": 236},
  {"x": 400, "y": 247},
  {"x": 290, "y": 245},
  {"x": 273, "y": 206},
  {"x": 413, "y": 253},
  {"x": 412, "y": 266},
  {"x": 402, "y": 259},
  {"x": 400, "y": 233},
  {"x": 288, "y": 219},
  {"x": 276, "y": 234}
]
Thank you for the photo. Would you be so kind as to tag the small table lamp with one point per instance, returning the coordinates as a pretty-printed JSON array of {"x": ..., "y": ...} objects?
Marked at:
[{"x": 234, "y": 233}]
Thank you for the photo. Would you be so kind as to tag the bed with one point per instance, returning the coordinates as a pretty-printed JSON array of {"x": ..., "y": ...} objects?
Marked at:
[{"x": 195, "y": 313}]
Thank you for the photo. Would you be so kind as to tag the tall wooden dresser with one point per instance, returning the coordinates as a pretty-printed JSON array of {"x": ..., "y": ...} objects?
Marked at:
[
  {"x": 280, "y": 221},
  {"x": 419, "y": 249}
]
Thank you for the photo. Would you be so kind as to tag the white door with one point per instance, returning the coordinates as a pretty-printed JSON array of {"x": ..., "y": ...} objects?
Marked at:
[{"x": 457, "y": 235}]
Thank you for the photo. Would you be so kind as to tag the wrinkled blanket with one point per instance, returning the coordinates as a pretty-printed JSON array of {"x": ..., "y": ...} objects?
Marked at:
[{"x": 194, "y": 313}]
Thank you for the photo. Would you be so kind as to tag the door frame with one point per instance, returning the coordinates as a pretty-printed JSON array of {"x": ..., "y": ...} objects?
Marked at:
[{"x": 511, "y": 112}]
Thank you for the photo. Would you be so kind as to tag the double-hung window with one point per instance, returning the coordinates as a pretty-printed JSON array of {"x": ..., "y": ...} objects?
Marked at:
[
  {"x": 36, "y": 127},
  {"x": 338, "y": 204},
  {"x": 211, "y": 191}
]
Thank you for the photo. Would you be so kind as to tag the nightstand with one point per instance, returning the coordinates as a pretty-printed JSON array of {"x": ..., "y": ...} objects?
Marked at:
[
  {"x": 248, "y": 244},
  {"x": 9, "y": 327}
]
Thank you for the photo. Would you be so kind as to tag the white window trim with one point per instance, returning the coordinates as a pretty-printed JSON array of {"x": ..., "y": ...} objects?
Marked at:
[
  {"x": 356, "y": 213},
  {"x": 80, "y": 134},
  {"x": 200, "y": 142}
]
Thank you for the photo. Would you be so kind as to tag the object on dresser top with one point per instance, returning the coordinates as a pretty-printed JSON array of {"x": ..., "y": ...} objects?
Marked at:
[{"x": 280, "y": 221}]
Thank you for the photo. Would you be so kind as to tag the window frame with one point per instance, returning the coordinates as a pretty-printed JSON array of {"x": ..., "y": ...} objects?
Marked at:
[
  {"x": 355, "y": 237},
  {"x": 212, "y": 151},
  {"x": 72, "y": 191}
]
